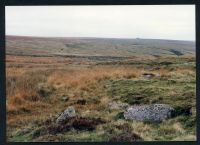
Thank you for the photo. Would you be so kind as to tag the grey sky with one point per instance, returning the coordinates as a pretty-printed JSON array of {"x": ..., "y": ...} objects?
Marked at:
[{"x": 156, "y": 22}]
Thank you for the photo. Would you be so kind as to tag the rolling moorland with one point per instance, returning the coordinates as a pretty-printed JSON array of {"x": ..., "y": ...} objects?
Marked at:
[{"x": 99, "y": 78}]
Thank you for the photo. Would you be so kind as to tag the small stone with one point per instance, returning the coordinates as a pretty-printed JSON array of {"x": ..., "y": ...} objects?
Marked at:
[
  {"x": 25, "y": 131},
  {"x": 67, "y": 114},
  {"x": 150, "y": 75},
  {"x": 65, "y": 98},
  {"x": 157, "y": 75}
]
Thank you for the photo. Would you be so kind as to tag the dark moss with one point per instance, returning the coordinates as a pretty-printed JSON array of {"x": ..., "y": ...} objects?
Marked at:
[
  {"x": 86, "y": 123},
  {"x": 165, "y": 63},
  {"x": 81, "y": 102},
  {"x": 39, "y": 132},
  {"x": 135, "y": 99},
  {"x": 180, "y": 110},
  {"x": 126, "y": 137},
  {"x": 125, "y": 128},
  {"x": 189, "y": 122},
  {"x": 54, "y": 129},
  {"x": 119, "y": 115},
  {"x": 44, "y": 92}
]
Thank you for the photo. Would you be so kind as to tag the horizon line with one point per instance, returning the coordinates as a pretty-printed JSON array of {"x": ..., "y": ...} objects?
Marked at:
[{"x": 90, "y": 37}]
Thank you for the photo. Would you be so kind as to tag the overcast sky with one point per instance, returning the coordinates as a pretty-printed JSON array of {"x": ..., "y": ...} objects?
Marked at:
[{"x": 156, "y": 22}]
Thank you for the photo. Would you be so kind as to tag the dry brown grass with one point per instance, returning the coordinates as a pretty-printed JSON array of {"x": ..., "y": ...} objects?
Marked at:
[{"x": 83, "y": 78}]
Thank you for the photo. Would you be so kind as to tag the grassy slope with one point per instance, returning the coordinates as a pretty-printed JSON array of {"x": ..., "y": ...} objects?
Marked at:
[{"x": 96, "y": 46}]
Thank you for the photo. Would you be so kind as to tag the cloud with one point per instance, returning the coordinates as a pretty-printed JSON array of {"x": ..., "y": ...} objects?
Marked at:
[{"x": 152, "y": 21}]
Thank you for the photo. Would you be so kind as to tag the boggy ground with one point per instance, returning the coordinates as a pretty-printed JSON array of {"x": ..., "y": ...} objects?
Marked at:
[{"x": 37, "y": 89}]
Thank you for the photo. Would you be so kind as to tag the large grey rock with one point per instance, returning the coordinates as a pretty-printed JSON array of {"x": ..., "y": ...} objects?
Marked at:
[
  {"x": 151, "y": 113},
  {"x": 67, "y": 114}
]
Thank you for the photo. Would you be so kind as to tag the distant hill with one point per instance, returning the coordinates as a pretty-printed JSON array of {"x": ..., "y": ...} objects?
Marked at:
[{"x": 41, "y": 46}]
